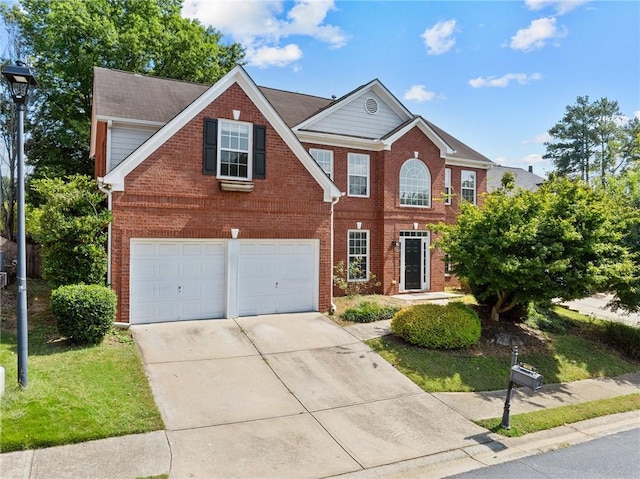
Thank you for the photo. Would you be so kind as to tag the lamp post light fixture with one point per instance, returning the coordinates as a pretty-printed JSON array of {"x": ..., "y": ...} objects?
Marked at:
[{"x": 20, "y": 80}]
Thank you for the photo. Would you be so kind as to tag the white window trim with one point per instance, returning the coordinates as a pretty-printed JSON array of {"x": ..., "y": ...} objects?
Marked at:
[
  {"x": 249, "y": 176},
  {"x": 367, "y": 256},
  {"x": 448, "y": 189},
  {"x": 368, "y": 158},
  {"x": 330, "y": 152},
  {"x": 475, "y": 186},
  {"x": 428, "y": 205}
]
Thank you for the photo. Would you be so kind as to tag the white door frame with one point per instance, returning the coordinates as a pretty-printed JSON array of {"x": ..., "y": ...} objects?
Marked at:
[{"x": 425, "y": 258}]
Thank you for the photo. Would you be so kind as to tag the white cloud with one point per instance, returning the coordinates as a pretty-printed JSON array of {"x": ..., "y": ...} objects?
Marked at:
[
  {"x": 503, "y": 81},
  {"x": 260, "y": 26},
  {"x": 439, "y": 38},
  {"x": 419, "y": 93},
  {"x": 537, "y": 34},
  {"x": 264, "y": 57},
  {"x": 637, "y": 114},
  {"x": 539, "y": 139},
  {"x": 561, "y": 6}
]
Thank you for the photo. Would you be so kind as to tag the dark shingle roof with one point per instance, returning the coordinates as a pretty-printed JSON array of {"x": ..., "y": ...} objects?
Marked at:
[
  {"x": 294, "y": 108},
  {"x": 523, "y": 179},
  {"x": 119, "y": 94},
  {"x": 462, "y": 151},
  {"x": 126, "y": 95}
]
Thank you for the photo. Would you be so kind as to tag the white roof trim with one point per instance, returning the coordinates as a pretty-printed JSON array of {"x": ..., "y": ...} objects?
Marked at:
[
  {"x": 445, "y": 148},
  {"x": 116, "y": 177},
  {"x": 130, "y": 121},
  {"x": 375, "y": 85},
  {"x": 331, "y": 139},
  {"x": 484, "y": 165}
]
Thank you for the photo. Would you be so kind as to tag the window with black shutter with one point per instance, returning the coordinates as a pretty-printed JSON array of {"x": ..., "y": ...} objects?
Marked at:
[{"x": 226, "y": 152}]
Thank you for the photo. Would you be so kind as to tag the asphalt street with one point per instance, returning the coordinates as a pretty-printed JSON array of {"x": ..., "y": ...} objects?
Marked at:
[{"x": 610, "y": 457}]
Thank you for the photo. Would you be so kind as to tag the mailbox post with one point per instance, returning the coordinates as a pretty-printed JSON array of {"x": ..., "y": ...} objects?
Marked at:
[{"x": 523, "y": 375}]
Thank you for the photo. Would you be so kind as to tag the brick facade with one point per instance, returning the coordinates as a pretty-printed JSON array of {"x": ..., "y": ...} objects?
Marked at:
[{"x": 167, "y": 196}]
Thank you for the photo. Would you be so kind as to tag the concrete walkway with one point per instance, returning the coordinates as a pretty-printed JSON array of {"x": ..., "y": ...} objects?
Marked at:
[{"x": 297, "y": 396}]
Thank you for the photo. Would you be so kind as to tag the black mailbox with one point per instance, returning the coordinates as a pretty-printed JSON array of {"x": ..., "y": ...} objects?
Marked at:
[{"x": 526, "y": 376}]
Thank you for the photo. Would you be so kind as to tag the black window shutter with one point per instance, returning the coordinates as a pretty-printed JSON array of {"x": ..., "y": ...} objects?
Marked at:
[
  {"x": 259, "y": 152},
  {"x": 210, "y": 146}
]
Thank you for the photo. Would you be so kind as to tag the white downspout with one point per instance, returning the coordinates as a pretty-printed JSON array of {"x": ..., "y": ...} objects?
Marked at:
[
  {"x": 333, "y": 305},
  {"x": 106, "y": 189}
]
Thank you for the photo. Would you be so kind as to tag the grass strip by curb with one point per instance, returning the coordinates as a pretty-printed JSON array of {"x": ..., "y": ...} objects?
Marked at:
[{"x": 529, "y": 422}]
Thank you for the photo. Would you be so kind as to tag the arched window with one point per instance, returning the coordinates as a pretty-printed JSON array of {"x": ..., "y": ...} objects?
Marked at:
[{"x": 415, "y": 184}]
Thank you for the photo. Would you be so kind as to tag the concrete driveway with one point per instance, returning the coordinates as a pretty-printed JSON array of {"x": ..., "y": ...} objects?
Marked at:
[{"x": 287, "y": 396}]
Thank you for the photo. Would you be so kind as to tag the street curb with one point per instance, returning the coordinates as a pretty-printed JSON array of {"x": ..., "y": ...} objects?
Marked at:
[{"x": 501, "y": 449}]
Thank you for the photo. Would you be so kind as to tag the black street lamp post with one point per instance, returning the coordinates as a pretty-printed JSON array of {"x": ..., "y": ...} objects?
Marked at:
[{"x": 20, "y": 80}]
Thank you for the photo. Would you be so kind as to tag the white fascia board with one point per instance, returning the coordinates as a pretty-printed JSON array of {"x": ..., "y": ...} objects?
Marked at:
[
  {"x": 443, "y": 146},
  {"x": 116, "y": 177},
  {"x": 478, "y": 164},
  {"x": 331, "y": 191},
  {"x": 330, "y": 139},
  {"x": 130, "y": 121}
]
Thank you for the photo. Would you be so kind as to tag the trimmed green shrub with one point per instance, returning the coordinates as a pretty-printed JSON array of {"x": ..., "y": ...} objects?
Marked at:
[
  {"x": 433, "y": 326},
  {"x": 84, "y": 312},
  {"x": 368, "y": 312},
  {"x": 623, "y": 337}
]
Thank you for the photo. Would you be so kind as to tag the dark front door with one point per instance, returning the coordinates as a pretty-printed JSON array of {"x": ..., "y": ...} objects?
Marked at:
[{"x": 412, "y": 262}]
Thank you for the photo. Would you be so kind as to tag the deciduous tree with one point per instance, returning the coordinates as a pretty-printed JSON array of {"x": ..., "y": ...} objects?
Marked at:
[
  {"x": 561, "y": 241},
  {"x": 67, "y": 38}
]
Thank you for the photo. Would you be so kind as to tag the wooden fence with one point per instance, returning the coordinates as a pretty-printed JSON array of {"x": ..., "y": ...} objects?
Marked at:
[{"x": 34, "y": 261}]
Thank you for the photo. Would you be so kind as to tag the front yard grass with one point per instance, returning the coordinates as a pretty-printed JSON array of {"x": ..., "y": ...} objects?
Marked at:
[
  {"x": 529, "y": 422},
  {"x": 560, "y": 357},
  {"x": 75, "y": 393}
]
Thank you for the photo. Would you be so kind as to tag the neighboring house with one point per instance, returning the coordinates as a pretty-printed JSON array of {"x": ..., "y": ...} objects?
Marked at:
[
  {"x": 233, "y": 199},
  {"x": 527, "y": 180}
]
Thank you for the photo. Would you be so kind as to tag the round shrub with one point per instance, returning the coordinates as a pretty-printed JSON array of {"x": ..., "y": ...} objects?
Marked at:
[
  {"x": 433, "y": 326},
  {"x": 84, "y": 312}
]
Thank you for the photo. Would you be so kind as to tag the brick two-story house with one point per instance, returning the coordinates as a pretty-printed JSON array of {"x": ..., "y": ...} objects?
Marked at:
[{"x": 234, "y": 199}]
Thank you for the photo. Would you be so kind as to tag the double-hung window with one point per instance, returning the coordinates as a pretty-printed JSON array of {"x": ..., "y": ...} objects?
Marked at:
[
  {"x": 358, "y": 171},
  {"x": 448, "y": 190},
  {"x": 468, "y": 186},
  {"x": 324, "y": 158},
  {"x": 358, "y": 255},
  {"x": 234, "y": 150}
]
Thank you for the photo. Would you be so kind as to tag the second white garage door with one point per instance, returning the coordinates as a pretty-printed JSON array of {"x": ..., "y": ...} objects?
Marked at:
[{"x": 277, "y": 276}]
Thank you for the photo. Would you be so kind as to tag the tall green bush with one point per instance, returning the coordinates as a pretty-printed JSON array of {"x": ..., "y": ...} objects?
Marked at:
[
  {"x": 84, "y": 312},
  {"x": 70, "y": 226},
  {"x": 453, "y": 326}
]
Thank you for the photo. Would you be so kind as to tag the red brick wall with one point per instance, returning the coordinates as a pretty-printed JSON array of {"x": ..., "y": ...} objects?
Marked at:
[
  {"x": 167, "y": 196},
  {"x": 382, "y": 213}
]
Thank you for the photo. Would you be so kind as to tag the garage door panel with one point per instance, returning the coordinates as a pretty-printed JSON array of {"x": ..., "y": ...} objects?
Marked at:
[
  {"x": 177, "y": 280},
  {"x": 277, "y": 276}
]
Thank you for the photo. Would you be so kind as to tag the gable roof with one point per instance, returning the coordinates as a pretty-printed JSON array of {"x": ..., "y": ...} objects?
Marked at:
[{"x": 116, "y": 177}]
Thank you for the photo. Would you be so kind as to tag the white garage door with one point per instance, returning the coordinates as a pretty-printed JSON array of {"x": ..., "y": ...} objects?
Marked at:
[
  {"x": 177, "y": 280},
  {"x": 277, "y": 276}
]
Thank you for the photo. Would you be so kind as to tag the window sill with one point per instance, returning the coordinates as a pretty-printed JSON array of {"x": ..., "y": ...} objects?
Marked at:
[{"x": 244, "y": 187}]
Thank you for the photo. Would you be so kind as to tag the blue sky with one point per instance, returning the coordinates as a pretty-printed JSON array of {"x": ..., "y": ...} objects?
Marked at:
[{"x": 497, "y": 75}]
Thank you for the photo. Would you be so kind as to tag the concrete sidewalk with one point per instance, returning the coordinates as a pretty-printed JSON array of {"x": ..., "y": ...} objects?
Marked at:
[{"x": 256, "y": 398}]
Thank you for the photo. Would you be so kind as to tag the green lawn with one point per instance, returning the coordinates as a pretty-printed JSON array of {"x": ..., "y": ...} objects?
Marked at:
[
  {"x": 75, "y": 393},
  {"x": 559, "y": 357},
  {"x": 529, "y": 422}
]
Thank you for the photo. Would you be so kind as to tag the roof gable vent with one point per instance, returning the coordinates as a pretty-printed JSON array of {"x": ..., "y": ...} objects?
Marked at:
[{"x": 371, "y": 105}]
